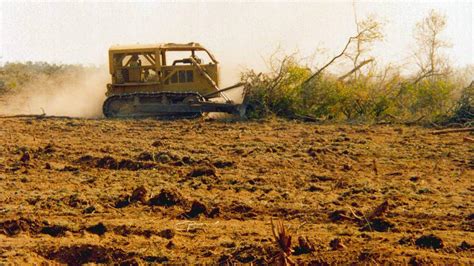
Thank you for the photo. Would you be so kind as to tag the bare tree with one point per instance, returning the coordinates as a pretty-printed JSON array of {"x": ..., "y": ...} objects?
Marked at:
[
  {"x": 429, "y": 57},
  {"x": 369, "y": 30}
]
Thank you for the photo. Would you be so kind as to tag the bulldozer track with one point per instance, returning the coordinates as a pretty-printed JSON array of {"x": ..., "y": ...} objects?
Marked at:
[{"x": 134, "y": 100}]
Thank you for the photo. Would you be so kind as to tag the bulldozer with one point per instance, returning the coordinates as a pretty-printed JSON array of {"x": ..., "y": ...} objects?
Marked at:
[{"x": 166, "y": 80}]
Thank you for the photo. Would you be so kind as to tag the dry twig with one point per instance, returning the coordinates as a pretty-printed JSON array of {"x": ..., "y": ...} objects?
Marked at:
[
  {"x": 468, "y": 139},
  {"x": 456, "y": 130}
]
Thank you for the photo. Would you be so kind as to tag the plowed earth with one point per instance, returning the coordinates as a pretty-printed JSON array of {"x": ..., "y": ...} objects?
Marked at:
[{"x": 136, "y": 191}]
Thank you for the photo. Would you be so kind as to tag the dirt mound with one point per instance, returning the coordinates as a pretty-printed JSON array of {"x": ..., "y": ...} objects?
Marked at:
[
  {"x": 251, "y": 253},
  {"x": 379, "y": 225},
  {"x": 197, "y": 208},
  {"x": 429, "y": 241},
  {"x": 14, "y": 227},
  {"x": 305, "y": 246},
  {"x": 167, "y": 233},
  {"x": 167, "y": 198},
  {"x": 98, "y": 229},
  {"x": 223, "y": 164},
  {"x": 464, "y": 246},
  {"x": 138, "y": 195},
  {"x": 202, "y": 171},
  {"x": 145, "y": 156},
  {"x": 239, "y": 210},
  {"x": 337, "y": 244},
  {"x": 108, "y": 162},
  {"x": 81, "y": 254},
  {"x": 25, "y": 157},
  {"x": 160, "y": 157},
  {"x": 54, "y": 230},
  {"x": 76, "y": 200},
  {"x": 126, "y": 230}
]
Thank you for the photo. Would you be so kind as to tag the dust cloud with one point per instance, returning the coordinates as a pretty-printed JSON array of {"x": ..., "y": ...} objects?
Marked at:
[
  {"x": 74, "y": 92},
  {"x": 78, "y": 92}
]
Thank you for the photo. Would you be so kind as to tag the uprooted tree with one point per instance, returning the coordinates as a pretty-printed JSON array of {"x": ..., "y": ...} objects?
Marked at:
[{"x": 293, "y": 90}]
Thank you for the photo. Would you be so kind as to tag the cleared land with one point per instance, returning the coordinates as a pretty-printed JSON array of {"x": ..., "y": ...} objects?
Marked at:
[{"x": 77, "y": 191}]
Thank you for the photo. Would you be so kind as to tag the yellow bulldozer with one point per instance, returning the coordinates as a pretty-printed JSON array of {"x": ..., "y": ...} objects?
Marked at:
[{"x": 166, "y": 81}]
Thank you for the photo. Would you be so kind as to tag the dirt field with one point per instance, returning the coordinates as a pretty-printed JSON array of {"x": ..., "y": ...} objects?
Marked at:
[{"x": 77, "y": 191}]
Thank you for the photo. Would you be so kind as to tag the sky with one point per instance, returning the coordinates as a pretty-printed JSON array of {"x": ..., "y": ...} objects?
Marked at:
[{"x": 240, "y": 34}]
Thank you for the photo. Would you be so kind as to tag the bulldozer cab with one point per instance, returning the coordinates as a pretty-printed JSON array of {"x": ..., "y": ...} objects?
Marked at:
[
  {"x": 130, "y": 68},
  {"x": 162, "y": 67}
]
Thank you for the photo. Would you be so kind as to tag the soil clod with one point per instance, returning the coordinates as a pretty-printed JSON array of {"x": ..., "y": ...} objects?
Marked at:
[
  {"x": 379, "y": 225},
  {"x": 98, "y": 229},
  {"x": 145, "y": 156},
  {"x": 223, "y": 164},
  {"x": 139, "y": 194},
  {"x": 305, "y": 246},
  {"x": 54, "y": 230},
  {"x": 82, "y": 254},
  {"x": 14, "y": 227},
  {"x": 108, "y": 162},
  {"x": 339, "y": 215},
  {"x": 429, "y": 241},
  {"x": 202, "y": 171},
  {"x": 336, "y": 244},
  {"x": 197, "y": 208},
  {"x": 25, "y": 157},
  {"x": 464, "y": 246},
  {"x": 167, "y": 198},
  {"x": 167, "y": 233}
]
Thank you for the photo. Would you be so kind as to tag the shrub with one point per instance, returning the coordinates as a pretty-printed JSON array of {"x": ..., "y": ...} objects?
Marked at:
[
  {"x": 369, "y": 97},
  {"x": 464, "y": 110},
  {"x": 278, "y": 92}
]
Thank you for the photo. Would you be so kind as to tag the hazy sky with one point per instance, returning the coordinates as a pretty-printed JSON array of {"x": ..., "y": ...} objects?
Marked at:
[{"x": 239, "y": 34}]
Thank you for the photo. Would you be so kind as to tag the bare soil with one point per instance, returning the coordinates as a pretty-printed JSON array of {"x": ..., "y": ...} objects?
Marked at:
[{"x": 137, "y": 191}]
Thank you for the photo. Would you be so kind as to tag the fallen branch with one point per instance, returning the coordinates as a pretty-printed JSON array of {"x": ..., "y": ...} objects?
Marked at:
[
  {"x": 468, "y": 139},
  {"x": 456, "y": 130},
  {"x": 305, "y": 118},
  {"x": 414, "y": 122},
  {"x": 23, "y": 116},
  {"x": 383, "y": 121},
  {"x": 42, "y": 116},
  {"x": 355, "y": 69}
]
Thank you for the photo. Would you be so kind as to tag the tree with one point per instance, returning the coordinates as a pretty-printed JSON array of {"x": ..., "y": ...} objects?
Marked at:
[
  {"x": 429, "y": 56},
  {"x": 369, "y": 30}
]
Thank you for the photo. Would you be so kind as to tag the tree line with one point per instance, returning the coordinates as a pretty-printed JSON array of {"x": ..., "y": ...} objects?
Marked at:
[{"x": 433, "y": 91}]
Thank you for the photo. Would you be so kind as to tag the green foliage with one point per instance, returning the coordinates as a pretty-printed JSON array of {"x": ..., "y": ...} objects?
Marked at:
[
  {"x": 323, "y": 97},
  {"x": 432, "y": 98},
  {"x": 464, "y": 111},
  {"x": 276, "y": 93},
  {"x": 366, "y": 98}
]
